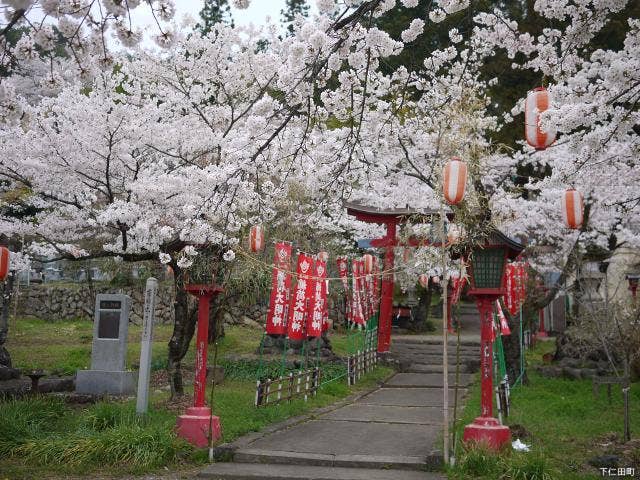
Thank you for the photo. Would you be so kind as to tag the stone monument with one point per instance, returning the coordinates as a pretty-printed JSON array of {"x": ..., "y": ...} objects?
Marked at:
[{"x": 109, "y": 350}]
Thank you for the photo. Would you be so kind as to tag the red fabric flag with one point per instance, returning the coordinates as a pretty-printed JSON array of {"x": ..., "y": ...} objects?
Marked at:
[
  {"x": 315, "y": 318},
  {"x": 357, "y": 315},
  {"x": 457, "y": 285},
  {"x": 343, "y": 273},
  {"x": 376, "y": 284},
  {"x": 511, "y": 297},
  {"x": 504, "y": 326},
  {"x": 280, "y": 290},
  {"x": 299, "y": 306}
]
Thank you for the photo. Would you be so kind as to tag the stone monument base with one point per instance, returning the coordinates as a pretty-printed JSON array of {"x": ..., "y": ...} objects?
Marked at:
[{"x": 100, "y": 382}]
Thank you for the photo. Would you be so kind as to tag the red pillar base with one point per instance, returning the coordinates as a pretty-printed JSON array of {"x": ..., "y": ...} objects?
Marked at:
[
  {"x": 193, "y": 426},
  {"x": 487, "y": 430}
]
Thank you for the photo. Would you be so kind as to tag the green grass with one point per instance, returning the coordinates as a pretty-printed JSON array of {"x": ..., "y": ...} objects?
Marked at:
[
  {"x": 65, "y": 346},
  {"x": 565, "y": 422},
  {"x": 43, "y": 436}
]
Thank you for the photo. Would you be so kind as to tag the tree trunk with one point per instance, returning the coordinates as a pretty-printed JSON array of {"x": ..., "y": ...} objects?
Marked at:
[
  {"x": 216, "y": 318},
  {"x": 511, "y": 344},
  {"x": 6, "y": 291},
  {"x": 185, "y": 316},
  {"x": 423, "y": 310}
]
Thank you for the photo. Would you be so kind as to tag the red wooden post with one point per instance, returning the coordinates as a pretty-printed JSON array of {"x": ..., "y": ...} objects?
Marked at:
[
  {"x": 202, "y": 339},
  {"x": 386, "y": 300},
  {"x": 195, "y": 425},
  {"x": 485, "y": 428},
  {"x": 542, "y": 333}
]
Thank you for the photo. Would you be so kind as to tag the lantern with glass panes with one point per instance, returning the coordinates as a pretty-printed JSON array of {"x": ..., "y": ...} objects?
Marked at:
[
  {"x": 198, "y": 426},
  {"x": 487, "y": 264}
]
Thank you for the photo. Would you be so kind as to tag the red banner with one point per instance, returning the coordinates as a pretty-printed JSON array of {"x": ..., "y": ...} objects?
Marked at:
[
  {"x": 343, "y": 273},
  {"x": 315, "y": 319},
  {"x": 510, "y": 298},
  {"x": 299, "y": 306},
  {"x": 364, "y": 292},
  {"x": 280, "y": 290},
  {"x": 504, "y": 325},
  {"x": 457, "y": 285},
  {"x": 357, "y": 315},
  {"x": 376, "y": 285}
]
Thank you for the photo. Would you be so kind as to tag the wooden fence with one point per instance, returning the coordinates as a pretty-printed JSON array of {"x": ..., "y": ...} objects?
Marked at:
[
  {"x": 303, "y": 383},
  {"x": 361, "y": 362}
]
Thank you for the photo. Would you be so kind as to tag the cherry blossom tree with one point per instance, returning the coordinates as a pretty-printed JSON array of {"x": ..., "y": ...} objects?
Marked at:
[{"x": 162, "y": 152}]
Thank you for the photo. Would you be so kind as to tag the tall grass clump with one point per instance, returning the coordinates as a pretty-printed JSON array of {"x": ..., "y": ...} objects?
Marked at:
[{"x": 46, "y": 432}]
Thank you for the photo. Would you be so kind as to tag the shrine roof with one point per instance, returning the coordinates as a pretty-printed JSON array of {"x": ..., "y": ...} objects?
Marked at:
[{"x": 371, "y": 214}]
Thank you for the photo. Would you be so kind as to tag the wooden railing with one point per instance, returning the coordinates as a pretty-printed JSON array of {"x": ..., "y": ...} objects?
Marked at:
[{"x": 303, "y": 383}]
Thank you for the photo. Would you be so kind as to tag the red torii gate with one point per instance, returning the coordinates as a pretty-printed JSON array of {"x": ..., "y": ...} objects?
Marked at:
[{"x": 390, "y": 218}]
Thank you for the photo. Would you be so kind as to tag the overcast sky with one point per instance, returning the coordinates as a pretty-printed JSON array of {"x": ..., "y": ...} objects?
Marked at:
[{"x": 257, "y": 13}]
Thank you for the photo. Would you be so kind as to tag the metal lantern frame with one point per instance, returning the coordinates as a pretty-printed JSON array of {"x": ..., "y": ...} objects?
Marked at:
[
  {"x": 204, "y": 276},
  {"x": 488, "y": 263}
]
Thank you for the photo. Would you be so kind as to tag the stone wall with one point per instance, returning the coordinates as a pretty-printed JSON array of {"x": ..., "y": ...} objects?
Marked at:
[{"x": 53, "y": 302}]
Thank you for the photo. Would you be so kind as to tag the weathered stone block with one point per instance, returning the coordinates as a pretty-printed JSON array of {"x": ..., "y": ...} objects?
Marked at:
[{"x": 100, "y": 382}]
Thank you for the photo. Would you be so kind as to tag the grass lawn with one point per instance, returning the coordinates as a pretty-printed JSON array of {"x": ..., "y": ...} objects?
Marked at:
[
  {"x": 44, "y": 437},
  {"x": 65, "y": 346},
  {"x": 563, "y": 423}
]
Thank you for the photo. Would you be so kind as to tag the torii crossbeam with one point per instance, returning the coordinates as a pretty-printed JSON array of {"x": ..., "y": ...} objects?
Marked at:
[{"x": 390, "y": 218}]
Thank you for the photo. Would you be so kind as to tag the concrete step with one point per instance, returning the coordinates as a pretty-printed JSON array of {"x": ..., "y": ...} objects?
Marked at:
[
  {"x": 254, "y": 471},
  {"x": 427, "y": 340},
  {"x": 274, "y": 457},
  {"x": 434, "y": 368},
  {"x": 433, "y": 348},
  {"x": 411, "y": 397},
  {"x": 436, "y": 359},
  {"x": 425, "y": 380}
]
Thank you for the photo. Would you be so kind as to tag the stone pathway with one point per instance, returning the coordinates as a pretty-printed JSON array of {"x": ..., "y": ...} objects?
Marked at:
[{"x": 391, "y": 433}]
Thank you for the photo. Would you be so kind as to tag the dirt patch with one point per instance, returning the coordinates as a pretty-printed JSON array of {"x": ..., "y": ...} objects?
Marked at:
[{"x": 610, "y": 449}]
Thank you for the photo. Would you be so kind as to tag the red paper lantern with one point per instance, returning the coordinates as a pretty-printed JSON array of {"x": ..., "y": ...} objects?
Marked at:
[
  {"x": 572, "y": 208},
  {"x": 424, "y": 280},
  {"x": 455, "y": 180},
  {"x": 4, "y": 263},
  {"x": 256, "y": 238},
  {"x": 368, "y": 263},
  {"x": 537, "y": 102}
]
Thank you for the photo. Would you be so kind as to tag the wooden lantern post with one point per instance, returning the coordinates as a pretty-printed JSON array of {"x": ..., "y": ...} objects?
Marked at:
[
  {"x": 198, "y": 426},
  {"x": 487, "y": 266}
]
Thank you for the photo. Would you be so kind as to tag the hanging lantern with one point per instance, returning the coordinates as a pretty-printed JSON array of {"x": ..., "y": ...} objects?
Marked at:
[
  {"x": 256, "y": 238},
  {"x": 572, "y": 208},
  {"x": 368, "y": 263},
  {"x": 538, "y": 101},
  {"x": 455, "y": 180},
  {"x": 4, "y": 263},
  {"x": 424, "y": 280}
]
